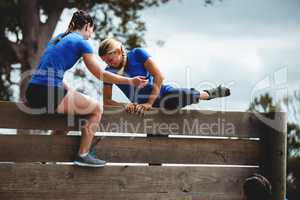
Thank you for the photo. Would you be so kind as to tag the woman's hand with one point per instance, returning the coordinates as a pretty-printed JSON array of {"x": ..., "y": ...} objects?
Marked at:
[
  {"x": 141, "y": 108},
  {"x": 130, "y": 107},
  {"x": 138, "y": 81}
]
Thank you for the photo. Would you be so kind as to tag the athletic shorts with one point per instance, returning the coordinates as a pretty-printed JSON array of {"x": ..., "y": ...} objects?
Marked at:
[
  {"x": 176, "y": 98},
  {"x": 43, "y": 96}
]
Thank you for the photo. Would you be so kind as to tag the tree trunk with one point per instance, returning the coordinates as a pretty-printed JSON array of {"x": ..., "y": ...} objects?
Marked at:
[
  {"x": 30, "y": 22},
  {"x": 35, "y": 36}
]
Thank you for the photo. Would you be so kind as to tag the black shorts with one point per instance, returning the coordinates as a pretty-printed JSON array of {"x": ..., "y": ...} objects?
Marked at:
[
  {"x": 178, "y": 98},
  {"x": 175, "y": 98},
  {"x": 44, "y": 96}
]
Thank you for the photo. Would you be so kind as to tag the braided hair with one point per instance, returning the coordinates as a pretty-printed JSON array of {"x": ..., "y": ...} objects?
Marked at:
[{"x": 79, "y": 19}]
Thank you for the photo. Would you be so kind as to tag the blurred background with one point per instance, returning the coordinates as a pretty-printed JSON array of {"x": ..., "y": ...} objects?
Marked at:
[{"x": 251, "y": 46}]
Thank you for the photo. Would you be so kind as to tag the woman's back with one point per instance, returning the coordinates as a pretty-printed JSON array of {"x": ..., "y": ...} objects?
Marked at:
[{"x": 60, "y": 55}]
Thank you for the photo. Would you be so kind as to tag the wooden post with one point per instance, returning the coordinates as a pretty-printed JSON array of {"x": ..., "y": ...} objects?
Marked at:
[{"x": 274, "y": 163}]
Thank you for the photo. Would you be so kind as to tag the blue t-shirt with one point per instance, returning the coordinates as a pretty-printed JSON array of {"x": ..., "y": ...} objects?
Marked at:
[
  {"x": 135, "y": 67},
  {"x": 58, "y": 58}
]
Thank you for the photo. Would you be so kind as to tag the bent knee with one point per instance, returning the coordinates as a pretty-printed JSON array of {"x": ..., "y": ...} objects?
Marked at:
[{"x": 98, "y": 109}]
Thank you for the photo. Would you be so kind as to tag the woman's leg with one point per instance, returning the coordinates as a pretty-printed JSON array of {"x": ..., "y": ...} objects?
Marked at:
[
  {"x": 177, "y": 98},
  {"x": 203, "y": 95},
  {"x": 80, "y": 104},
  {"x": 214, "y": 93},
  {"x": 217, "y": 92},
  {"x": 61, "y": 132}
]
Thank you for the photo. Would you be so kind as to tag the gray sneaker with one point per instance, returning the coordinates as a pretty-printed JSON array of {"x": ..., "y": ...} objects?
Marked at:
[
  {"x": 219, "y": 91},
  {"x": 89, "y": 161}
]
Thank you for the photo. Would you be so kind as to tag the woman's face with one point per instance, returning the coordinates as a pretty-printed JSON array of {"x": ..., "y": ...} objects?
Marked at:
[{"x": 113, "y": 58}]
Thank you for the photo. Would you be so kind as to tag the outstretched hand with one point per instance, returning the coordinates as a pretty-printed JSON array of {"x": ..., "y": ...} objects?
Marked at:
[{"x": 139, "y": 81}]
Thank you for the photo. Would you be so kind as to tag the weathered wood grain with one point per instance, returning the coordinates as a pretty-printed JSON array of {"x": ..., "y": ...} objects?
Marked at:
[
  {"x": 37, "y": 148},
  {"x": 183, "y": 122},
  {"x": 33, "y": 181}
]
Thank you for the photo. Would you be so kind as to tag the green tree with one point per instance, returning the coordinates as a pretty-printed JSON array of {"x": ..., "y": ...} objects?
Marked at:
[
  {"x": 265, "y": 103},
  {"x": 26, "y": 27},
  {"x": 262, "y": 104},
  {"x": 291, "y": 103}
]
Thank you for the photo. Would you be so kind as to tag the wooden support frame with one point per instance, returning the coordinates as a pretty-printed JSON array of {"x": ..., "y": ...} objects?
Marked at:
[{"x": 252, "y": 143}]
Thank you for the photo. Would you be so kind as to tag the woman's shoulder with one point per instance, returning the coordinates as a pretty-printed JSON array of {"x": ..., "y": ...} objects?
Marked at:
[
  {"x": 59, "y": 35},
  {"x": 138, "y": 50},
  {"x": 140, "y": 54},
  {"x": 56, "y": 38},
  {"x": 68, "y": 37},
  {"x": 80, "y": 42}
]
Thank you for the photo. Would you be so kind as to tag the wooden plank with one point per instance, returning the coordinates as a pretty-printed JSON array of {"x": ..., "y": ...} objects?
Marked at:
[
  {"x": 113, "y": 196},
  {"x": 31, "y": 181},
  {"x": 115, "y": 119},
  {"x": 34, "y": 148},
  {"x": 16, "y": 115}
]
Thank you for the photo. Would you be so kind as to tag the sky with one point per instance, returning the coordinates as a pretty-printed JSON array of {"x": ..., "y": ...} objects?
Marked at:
[{"x": 251, "y": 46}]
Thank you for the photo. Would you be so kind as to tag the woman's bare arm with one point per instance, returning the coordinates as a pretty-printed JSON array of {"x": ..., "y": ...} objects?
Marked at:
[
  {"x": 107, "y": 97},
  {"x": 93, "y": 67},
  {"x": 158, "y": 78}
]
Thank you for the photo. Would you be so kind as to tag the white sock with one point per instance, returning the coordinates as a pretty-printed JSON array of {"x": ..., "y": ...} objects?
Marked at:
[{"x": 84, "y": 154}]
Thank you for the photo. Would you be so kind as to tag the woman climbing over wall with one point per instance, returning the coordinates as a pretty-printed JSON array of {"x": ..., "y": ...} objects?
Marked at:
[
  {"x": 155, "y": 94},
  {"x": 47, "y": 89}
]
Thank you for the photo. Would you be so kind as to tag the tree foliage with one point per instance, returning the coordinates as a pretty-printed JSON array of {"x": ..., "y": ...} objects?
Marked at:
[
  {"x": 262, "y": 104},
  {"x": 26, "y": 27},
  {"x": 265, "y": 103}
]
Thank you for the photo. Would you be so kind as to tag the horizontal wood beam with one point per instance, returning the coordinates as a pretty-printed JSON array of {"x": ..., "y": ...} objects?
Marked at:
[
  {"x": 115, "y": 119},
  {"x": 34, "y": 181},
  {"x": 37, "y": 148}
]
